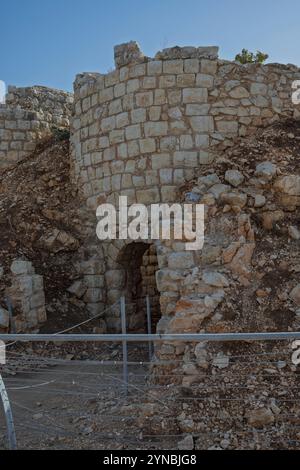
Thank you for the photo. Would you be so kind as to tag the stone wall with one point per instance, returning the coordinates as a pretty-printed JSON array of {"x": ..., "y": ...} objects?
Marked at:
[
  {"x": 151, "y": 126},
  {"x": 55, "y": 106},
  {"x": 27, "y": 297},
  {"x": 28, "y": 115}
]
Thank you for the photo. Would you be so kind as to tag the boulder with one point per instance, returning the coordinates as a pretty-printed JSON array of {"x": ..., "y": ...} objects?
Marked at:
[
  {"x": 270, "y": 218},
  {"x": 201, "y": 356},
  {"x": 294, "y": 233},
  {"x": 59, "y": 240},
  {"x": 78, "y": 288},
  {"x": 260, "y": 418},
  {"x": 259, "y": 201},
  {"x": 241, "y": 263},
  {"x": 20, "y": 267},
  {"x": 215, "y": 279},
  {"x": 218, "y": 189},
  {"x": 288, "y": 185},
  {"x": 221, "y": 361},
  {"x": 234, "y": 177},
  {"x": 234, "y": 199},
  {"x": 266, "y": 170},
  {"x": 187, "y": 443}
]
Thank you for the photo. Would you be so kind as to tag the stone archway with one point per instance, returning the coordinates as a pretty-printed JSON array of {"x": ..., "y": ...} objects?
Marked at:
[{"x": 138, "y": 264}]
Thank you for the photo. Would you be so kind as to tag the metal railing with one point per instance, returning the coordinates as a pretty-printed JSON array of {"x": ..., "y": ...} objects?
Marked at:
[{"x": 246, "y": 380}]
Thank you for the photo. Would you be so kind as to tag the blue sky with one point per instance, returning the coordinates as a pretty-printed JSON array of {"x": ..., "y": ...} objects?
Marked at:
[{"x": 46, "y": 42}]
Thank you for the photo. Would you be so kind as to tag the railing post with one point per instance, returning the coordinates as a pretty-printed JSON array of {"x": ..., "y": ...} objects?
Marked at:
[
  {"x": 10, "y": 312},
  {"x": 149, "y": 325},
  {"x": 125, "y": 351},
  {"x": 11, "y": 435}
]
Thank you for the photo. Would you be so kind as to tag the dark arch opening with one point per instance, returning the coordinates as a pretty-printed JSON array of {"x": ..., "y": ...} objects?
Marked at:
[{"x": 139, "y": 261}]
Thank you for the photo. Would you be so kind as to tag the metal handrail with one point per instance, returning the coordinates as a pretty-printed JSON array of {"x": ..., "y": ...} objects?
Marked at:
[{"x": 136, "y": 338}]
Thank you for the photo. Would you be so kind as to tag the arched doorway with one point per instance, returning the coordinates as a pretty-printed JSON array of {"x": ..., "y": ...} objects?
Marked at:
[{"x": 138, "y": 261}]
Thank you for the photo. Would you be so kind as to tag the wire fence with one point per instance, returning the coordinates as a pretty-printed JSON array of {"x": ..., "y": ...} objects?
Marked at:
[{"x": 244, "y": 395}]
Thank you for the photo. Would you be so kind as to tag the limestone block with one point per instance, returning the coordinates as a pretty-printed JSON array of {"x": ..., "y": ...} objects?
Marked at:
[
  {"x": 148, "y": 196},
  {"x": 144, "y": 99},
  {"x": 156, "y": 129},
  {"x": 234, "y": 177},
  {"x": 4, "y": 318},
  {"x": 195, "y": 95},
  {"x": 138, "y": 115},
  {"x": 133, "y": 132},
  {"x": 258, "y": 89},
  {"x": 227, "y": 127},
  {"x": 191, "y": 65},
  {"x": 78, "y": 288},
  {"x": 154, "y": 67},
  {"x": 20, "y": 267},
  {"x": 127, "y": 53},
  {"x": 173, "y": 66},
  {"x": 184, "y": 260},
  {"x": 147, "y": 145},
  {"x": 37, "y": 300},
  {"x": 202, "y": 124}
]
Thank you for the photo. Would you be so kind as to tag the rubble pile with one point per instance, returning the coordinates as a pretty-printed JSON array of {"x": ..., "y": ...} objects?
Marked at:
[
  {"x": 241, "y": 395},
  {"x": 40, "y": 223}
]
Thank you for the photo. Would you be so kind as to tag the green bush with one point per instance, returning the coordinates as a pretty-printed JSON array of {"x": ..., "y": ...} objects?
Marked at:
[
  {"x": 60, "y": 134},
  {"x": 247, "y": 57}
]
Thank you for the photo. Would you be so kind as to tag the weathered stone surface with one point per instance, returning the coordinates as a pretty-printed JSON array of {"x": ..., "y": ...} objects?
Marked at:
[
  {"x": 295, "y": 294},
  {"x": 221, "y": 361},
  {"x": 186, "y": 444},
  {"x": 126, "y": 53},
  {"x": 234, "y": 177},
  {"x": 261, "y": 418},
  {"x": 241, "y": 263},
  {"x": 259, "y": 201},
  {"x": 209, "y": 52},
  {"x": 218, "y": 189},
  {"x": 294, "y": 232},
  {"x": 234, "y": 199},
  {"x": 4, "y": 319},
  {"x": 181, "y": 260},
  {"x": 269, "y": 219},
  {"x": 288, "y": 185},
  {"x": 59, "y": 240},
  {"x": 78, "y": 288},
  {"x": 266, "y": 170},
  {"x": 201, "y": 356},
  {"x": 215, "y": 279},
  {"x": 20, "y": 267},
  {"x": 27, "y": 296}
]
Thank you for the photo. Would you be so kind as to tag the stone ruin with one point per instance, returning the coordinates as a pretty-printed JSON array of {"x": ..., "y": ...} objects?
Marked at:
[
  {"x": 147, "y": 130},
  {"x": 184, "y": 126},
  {"x": 27, "y": 298},
  {"x": 28, "y": 115}
]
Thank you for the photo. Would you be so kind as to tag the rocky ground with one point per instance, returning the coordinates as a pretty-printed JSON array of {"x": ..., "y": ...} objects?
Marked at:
[{"x": 243, "y": 395}]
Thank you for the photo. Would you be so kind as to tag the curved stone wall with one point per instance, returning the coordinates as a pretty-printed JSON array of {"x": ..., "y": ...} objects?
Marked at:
[
  {"x": 144, "y": 129},
  {"x": 152, "y": 125}
]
